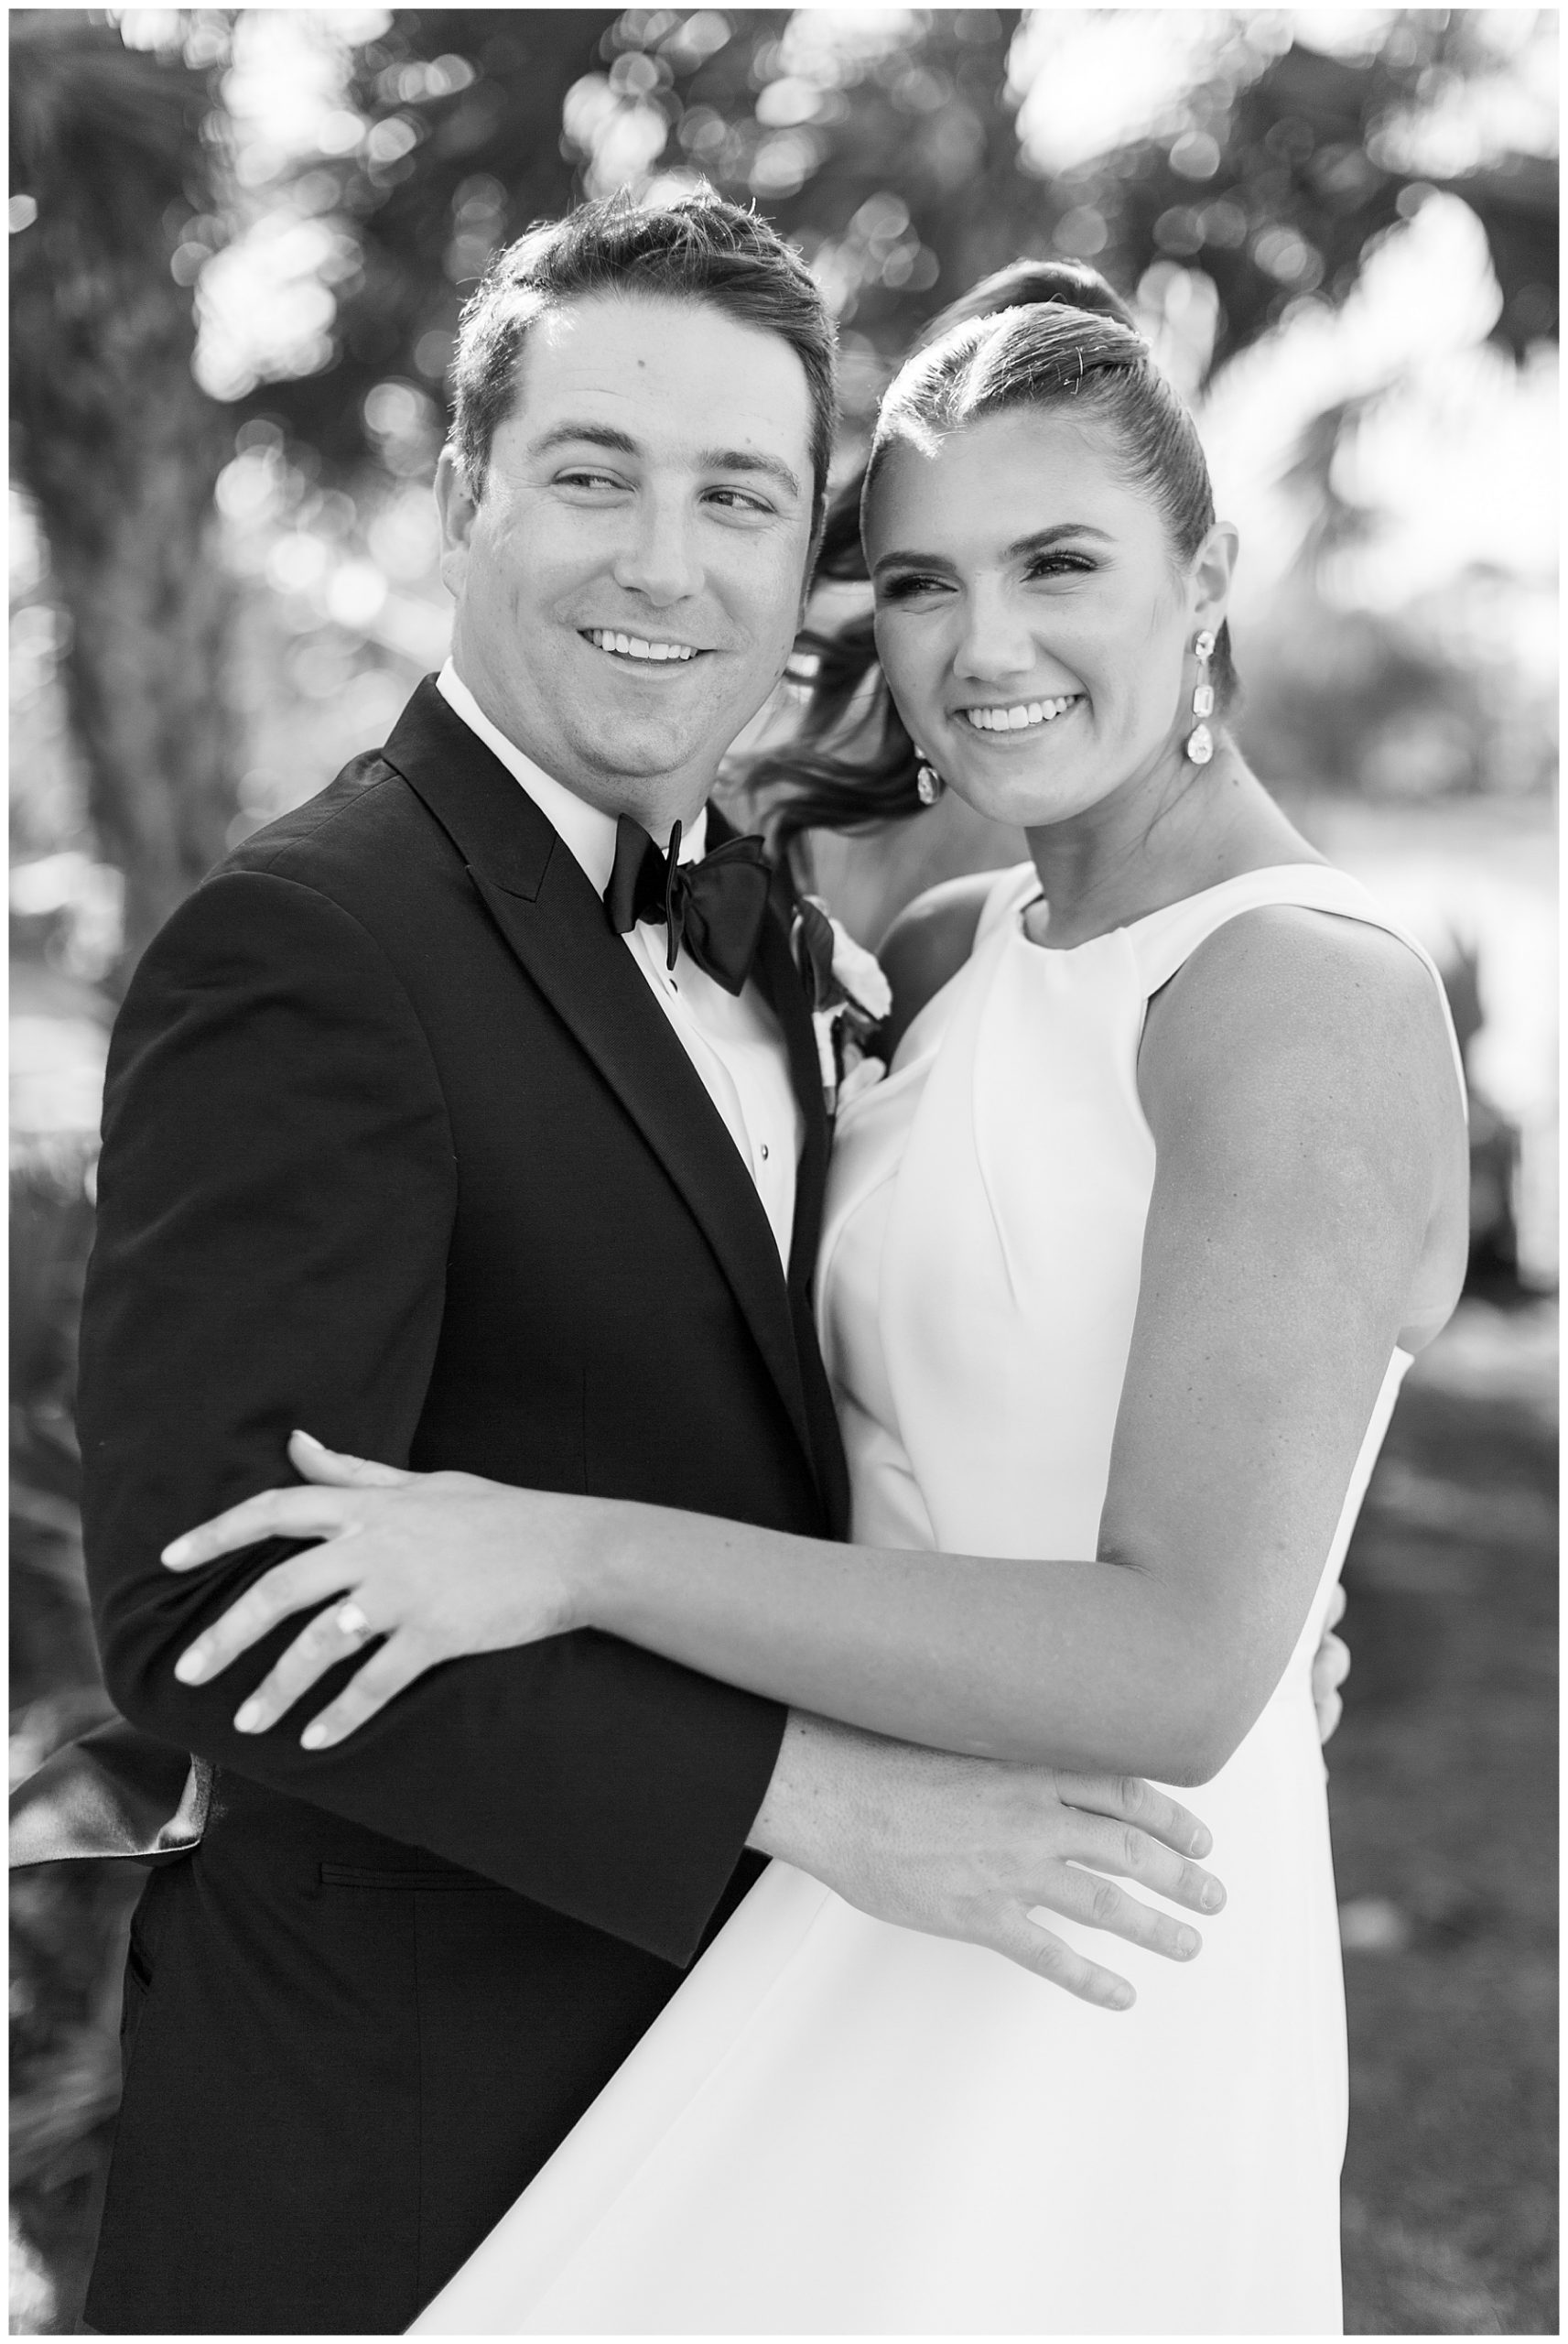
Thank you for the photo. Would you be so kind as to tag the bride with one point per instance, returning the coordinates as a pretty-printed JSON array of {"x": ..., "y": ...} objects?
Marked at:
[{"x": 1122, "y": 1265}]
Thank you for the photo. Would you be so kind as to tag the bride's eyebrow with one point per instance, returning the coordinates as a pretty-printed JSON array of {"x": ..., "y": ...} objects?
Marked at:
[
  {"x": 904, "y": 559},
  {"x": 1038, "y": 539}
]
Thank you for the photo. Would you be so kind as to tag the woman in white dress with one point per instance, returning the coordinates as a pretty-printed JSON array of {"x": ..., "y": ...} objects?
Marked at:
[{"x": 1122, "y": 1265}]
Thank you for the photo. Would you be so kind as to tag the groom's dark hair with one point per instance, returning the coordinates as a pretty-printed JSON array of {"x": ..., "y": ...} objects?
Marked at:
[{"x": 699, "y": 248}]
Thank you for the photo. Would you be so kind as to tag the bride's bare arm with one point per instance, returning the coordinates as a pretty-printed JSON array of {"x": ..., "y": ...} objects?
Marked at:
[
  {"x": 1307, "y": 1212},
  {"x": 1307, "y": 1123}
]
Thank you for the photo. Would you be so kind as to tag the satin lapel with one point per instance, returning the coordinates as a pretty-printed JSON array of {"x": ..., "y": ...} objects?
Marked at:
[
  {"x": 556, "y": 926},
  {"x": 779, "y": 984}
]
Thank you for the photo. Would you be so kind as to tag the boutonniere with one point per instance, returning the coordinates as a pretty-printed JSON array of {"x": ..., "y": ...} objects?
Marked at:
[{"x": 849, "y": 997}]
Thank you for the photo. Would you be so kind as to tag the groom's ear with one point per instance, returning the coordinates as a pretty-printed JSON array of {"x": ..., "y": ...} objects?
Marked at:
[{"x": 457, "y": 505}]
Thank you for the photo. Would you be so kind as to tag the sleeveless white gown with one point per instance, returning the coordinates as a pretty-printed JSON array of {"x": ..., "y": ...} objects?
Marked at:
[{"x": 838, "y": 2126}]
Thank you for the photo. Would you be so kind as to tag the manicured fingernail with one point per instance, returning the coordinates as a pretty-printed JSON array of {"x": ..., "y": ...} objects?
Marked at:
[
  {"x": 1202, "y": 1841},
  {"x": 191, "y": 1667},
  {"x": 314, "y": 1736},
  {"x": 251, "y": 1718},
  {"x": 309, "y": 1438},
  {"x": 178, "y": 1551},
  {"x": 1188, "y": 1942},
  {"x": 1121, "y": 1998},
  {"x": 1213, "y": 1897}
]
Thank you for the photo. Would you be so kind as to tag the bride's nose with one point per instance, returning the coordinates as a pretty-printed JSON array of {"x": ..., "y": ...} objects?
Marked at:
[{"x": 996, "y": 643}]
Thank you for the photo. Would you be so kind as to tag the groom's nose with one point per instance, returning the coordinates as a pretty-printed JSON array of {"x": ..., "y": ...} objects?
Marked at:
[{"x": 659, "y": 558}]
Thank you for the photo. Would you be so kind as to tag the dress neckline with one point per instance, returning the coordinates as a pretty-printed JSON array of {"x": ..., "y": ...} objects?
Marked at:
[{"x": 1178, "y": 902}]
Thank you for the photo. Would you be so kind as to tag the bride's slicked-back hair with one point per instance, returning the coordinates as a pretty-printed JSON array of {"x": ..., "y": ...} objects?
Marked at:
[{"x": 1037, "y": 334}]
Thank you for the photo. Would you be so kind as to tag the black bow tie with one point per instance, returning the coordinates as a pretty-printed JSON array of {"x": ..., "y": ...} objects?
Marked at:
[{"x": 714, "y": 908}]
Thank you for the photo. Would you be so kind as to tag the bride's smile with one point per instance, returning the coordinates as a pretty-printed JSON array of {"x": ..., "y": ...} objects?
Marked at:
[{"x": 1034, "y": 614}]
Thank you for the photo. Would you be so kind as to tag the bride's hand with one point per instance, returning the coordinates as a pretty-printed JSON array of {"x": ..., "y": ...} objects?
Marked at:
[{"x": 437, "y": 1564}]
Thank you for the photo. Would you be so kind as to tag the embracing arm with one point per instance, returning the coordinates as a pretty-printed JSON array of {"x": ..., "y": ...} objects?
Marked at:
[
  {"x": 276, "y": 1196},
  {"x": 1308, "y": 1209},
  {"x": 1298, "y": 1083}
]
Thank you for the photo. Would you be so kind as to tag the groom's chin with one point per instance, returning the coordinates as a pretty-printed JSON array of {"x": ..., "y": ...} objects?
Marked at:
[{"x": 653, "y": 749}]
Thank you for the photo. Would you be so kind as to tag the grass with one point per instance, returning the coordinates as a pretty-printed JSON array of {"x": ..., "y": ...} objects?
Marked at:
[{"x": 1445, "y": 1802}]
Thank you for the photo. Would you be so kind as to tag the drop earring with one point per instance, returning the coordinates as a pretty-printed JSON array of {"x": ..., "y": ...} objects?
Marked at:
[
  {"x": 1200, "y": 740},
  {"x": 929, "y": 783}
]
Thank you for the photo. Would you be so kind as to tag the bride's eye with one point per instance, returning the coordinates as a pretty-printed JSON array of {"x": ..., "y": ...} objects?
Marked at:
[
  {"x": 907, "y": 585},
  {"x": 1058, "y": 564}
]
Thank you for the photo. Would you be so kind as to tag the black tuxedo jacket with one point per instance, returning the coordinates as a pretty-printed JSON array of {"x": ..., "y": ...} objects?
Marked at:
[{"x": 399, "y": 1146}]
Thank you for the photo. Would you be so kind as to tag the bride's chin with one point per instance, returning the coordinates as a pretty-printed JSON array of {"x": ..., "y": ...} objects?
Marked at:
[{"x": 1020, "y": 801}]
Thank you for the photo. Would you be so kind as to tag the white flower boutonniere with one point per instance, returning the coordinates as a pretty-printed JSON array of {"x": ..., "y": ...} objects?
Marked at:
[{"x": 849, "y": 996}]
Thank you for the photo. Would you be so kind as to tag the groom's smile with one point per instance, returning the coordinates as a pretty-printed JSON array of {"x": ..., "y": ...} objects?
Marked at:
[{"x": 629, "y": 579}]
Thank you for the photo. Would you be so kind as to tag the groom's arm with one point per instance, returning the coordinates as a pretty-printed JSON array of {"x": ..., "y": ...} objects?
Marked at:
[{"x": 276, "y": 1195}]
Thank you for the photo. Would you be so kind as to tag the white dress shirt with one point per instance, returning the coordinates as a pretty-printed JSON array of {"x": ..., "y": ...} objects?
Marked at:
[{"x": 733, "y": 1042}]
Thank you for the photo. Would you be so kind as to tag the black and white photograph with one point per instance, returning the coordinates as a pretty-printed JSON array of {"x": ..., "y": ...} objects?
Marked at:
[{"x": 784, "y": 1171}]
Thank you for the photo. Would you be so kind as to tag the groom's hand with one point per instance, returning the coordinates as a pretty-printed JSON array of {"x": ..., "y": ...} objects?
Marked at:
[{"x": 968, "y": 1847}]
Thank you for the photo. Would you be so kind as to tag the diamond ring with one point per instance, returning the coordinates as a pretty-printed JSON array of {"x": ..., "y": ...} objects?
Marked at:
[{"x": 351, "y": 1623}]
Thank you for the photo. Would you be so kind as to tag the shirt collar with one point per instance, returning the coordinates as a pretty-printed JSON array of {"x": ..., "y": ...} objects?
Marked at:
[{"x": 588, "y": 831}]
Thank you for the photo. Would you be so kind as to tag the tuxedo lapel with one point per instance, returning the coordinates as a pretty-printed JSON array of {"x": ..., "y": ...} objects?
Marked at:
[
  {"x": 781, "y": 987},
  {"x": 556, "y": 926},
  {"x": 779, "y": 983}
]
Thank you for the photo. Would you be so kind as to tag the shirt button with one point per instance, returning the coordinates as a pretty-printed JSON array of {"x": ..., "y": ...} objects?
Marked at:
[{"x": 764, "y": 1151}]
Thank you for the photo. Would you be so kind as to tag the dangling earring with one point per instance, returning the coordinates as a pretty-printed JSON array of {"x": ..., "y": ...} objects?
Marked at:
[
  {"x": 929, "y": 783},
  {"x": 1200, "y": 740}
]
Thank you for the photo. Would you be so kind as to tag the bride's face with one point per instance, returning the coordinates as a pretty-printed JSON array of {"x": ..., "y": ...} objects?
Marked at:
[{"x": 1033, "y": 620}]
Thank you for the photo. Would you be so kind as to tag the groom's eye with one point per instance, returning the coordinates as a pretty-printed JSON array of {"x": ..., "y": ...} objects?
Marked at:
[{"x": 744, "y": 501}]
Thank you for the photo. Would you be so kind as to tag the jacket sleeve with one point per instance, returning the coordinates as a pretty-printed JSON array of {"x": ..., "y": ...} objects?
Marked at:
[{"x": 276, "y": 1197}]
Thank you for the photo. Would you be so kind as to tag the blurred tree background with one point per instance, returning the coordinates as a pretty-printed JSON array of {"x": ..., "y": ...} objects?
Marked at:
[{"x": 240, "y": 242}]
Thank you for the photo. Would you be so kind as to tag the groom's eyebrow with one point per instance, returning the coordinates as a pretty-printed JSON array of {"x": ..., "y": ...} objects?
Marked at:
[
  {"x": 597, "y": 435},
  {"x": 747, "y": 459}
]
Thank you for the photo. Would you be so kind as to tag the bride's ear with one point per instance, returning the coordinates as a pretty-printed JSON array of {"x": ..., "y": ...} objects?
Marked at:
[{"x": 1214, "y": 573}]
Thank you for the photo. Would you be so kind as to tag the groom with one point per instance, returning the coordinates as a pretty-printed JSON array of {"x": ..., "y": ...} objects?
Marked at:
[{"x": 408, "y": 1140}]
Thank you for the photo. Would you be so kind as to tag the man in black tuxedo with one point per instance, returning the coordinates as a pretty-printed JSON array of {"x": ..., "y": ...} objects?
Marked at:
[{"x": 408, "y": 1141}]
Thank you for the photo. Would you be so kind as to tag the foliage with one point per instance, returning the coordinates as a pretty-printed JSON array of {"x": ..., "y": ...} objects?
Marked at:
[
  {"x": 1443, "y": 1793},
  {"x": 117, "y": 443},
  {"x": 1278, "y": 184},
  {"x": 460, "y": 150},
  {"x": 885, "y": 145},
  {"x": 1368, "y": 703},
  {"x": 68, "y": 1921}
]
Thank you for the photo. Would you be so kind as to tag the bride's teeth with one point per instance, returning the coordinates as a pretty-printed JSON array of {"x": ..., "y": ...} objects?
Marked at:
[{"x": 1019, "y": 718}]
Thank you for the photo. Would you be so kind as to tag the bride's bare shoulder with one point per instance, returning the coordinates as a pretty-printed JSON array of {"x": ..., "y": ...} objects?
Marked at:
[
  {"x": 928, "y": 943},
  {"x": 1299, "y": 1051}
]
